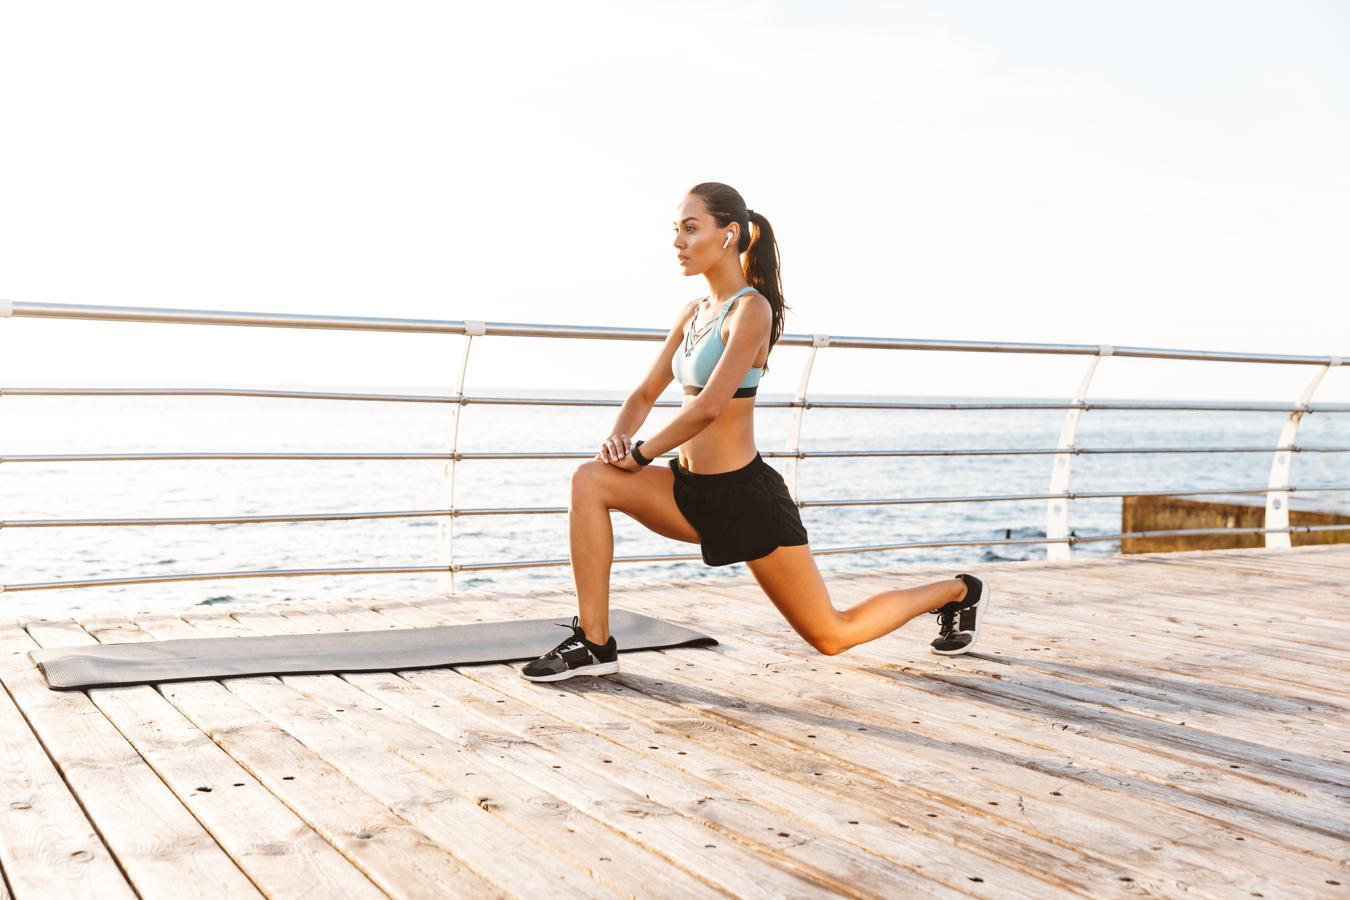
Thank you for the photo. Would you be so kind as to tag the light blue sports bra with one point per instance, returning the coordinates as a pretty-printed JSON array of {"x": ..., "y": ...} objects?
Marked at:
[{"x": 697, "y": 356}]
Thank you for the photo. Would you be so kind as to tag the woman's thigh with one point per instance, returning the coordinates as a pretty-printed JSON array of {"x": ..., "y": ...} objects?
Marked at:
[
  {"x": 790, "y": 579},
  {"x": 647, "y": 495}
]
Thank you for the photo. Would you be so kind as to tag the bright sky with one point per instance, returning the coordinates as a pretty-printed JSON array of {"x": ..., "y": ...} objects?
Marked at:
[{"x": 1148, "y": 173}]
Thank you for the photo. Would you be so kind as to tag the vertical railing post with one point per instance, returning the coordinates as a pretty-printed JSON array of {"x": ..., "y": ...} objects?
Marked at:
[
  {"x": 795, "y": 438},
  {"x": 1057, "y": 508},
  {"x": 471, "y": 328},
  {"x": 6, "y": 312},
  {"x": 1277, "y": 488}
]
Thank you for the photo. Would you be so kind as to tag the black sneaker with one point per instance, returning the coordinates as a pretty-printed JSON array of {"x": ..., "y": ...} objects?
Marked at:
[
  {"x": 959, "y": 621},
  {"x": 574, "y": 656}
]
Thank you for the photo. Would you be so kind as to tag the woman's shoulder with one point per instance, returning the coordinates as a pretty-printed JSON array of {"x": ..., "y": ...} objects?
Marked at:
[{"x": 752, "y": 300}]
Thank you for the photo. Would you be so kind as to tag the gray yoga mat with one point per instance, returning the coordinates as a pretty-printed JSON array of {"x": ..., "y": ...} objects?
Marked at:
[{"x": 479, "y": 643}]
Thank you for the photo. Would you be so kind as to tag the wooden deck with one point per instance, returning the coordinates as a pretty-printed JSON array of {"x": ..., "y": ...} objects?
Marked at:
[{"x": 1160, "y": 724}]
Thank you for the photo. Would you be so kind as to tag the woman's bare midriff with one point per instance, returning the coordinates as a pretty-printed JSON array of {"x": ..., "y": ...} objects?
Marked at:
[{"x": 727, "y": 444}]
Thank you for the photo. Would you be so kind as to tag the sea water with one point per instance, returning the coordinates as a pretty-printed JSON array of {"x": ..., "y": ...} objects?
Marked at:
[{"x": 88, "y": 490}]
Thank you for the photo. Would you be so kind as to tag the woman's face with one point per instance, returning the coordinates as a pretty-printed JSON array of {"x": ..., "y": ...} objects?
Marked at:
[{"x": 698, "y": 240}]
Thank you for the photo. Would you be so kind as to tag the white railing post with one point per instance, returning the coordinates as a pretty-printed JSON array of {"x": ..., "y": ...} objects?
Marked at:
[
  {"x": 6, "y": 311},
  {"x": 1277, "y": 494},
  {"x": 471, "y": 328},
  {"x": 1057, "y": 508},
  {"x": 795, "y": 438}
]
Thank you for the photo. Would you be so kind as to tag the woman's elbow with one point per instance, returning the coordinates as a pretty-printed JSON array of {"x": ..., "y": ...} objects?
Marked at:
[
  {"x": 706, "y": 411},
  {"x": 643, "y": 396}
]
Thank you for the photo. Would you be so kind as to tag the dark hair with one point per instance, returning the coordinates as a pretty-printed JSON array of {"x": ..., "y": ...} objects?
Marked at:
[{"x": 761, "y": 266}]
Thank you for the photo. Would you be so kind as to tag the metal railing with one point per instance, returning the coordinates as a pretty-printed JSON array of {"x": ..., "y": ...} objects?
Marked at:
[{"x": 1058, "y": 539}]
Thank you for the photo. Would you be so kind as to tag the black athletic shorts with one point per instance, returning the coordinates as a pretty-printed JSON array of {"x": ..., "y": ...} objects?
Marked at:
[{"x": 739, "y": 515}]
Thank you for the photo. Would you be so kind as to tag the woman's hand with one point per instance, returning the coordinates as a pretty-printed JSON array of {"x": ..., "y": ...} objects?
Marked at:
[
  {"x": 615, "y": 448},
  {"x": 616, "y": 451},
  {"x": 628, "y": 464}
]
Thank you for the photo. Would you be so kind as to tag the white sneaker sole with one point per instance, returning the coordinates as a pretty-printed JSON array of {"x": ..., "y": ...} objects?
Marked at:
[
  {"x": 986, "y": 595},
  {"x": 608, "y": 668}
]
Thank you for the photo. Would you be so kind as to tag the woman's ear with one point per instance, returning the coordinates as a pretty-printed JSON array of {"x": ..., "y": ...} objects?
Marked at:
[{"x": 734, "y": 236}]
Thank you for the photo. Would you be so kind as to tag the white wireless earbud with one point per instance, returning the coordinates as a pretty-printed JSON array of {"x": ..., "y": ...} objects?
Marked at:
[{"x": 730, "y": 235}]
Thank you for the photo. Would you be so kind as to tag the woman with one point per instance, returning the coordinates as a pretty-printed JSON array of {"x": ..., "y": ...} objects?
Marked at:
[{"x": 719, "y": 492}]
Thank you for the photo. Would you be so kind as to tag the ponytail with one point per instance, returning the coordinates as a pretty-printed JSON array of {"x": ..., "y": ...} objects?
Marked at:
[{"x": 760, "y": 249}]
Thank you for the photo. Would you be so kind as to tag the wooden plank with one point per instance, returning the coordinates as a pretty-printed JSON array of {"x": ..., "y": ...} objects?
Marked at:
[
  {"x": 1118, "y": 831},
  {"x": 1162, "y": 739},
  {"x": 1090, "y": 742},
  {"x": 740, "y": 872},
  {"x": 820, "y": 815},
  {"x": 1129, "y": 670},
  {"x": 1146, "y": 596},
  {"x": 454, "y": 821},
  {"x": 1327, "y": 569},
  {"x": 1174, "y": 626},
  {"x": 1257, "y": 575},
  {"x": 606, "y": 832},
  {"x": 1220, "y": 594},
  {"x": 156, "y": 841},
  {"x": 47, "y": 845},
  {"x": 1126, "y": 784},
  {"x": 767, "y": 722},
  {"x": 1092, "y": 613},
  {"x": 1160, "y": 637},
  {"x": 281, "y": 854},
  {"x": 1011, "y": 615},
  {"x": 1129, "y": 667},
  {"x": 1174, "y": 698},
  {"x": 1140, "y": 792},
  {"x": 953, "y": 840},
  {"x": 399, "y": 858}
]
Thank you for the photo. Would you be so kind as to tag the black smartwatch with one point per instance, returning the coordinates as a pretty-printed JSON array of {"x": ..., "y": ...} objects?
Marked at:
[{"x": 637, "y": 454}]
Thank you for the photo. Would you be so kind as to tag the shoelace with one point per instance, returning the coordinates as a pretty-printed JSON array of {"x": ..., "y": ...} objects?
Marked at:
[
  {"x": 946, "y": 621},
  {"x": 567, "y": 643},
  {"x": 948, "y": 615}
]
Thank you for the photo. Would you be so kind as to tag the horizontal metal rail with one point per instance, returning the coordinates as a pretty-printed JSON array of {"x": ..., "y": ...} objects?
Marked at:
[
  {"x": 145, "y": 314},
  {"x": 161, "y": 457},
  {"x": 542, "y": 563},
  {"x": 863, "y": 454},
  {"x": 1064, "y": 495},
  {"x": 587, "y": 454},
  {"x": 464, "y": 400},
  {"x": 293, "y": 517},
  {"x": 1058, "y": 539},
  {"x": 1151, "y": 405},
  {"x": 560, "y": 510}
]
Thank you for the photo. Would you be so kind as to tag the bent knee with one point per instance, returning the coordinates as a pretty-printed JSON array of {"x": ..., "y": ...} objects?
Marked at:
[
  {"x": 830, "y": 647},
  {"x": 830, "y": 643},
  {"x": 590, "y": 480},
  {"x": 588, "y": 473}
]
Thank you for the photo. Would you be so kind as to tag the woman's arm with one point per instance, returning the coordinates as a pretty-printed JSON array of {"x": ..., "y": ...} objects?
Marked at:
[{"x": 640, "y": 402}]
